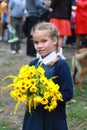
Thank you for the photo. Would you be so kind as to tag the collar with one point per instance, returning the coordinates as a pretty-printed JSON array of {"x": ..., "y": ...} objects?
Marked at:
[{"x": 48, "y": 58}]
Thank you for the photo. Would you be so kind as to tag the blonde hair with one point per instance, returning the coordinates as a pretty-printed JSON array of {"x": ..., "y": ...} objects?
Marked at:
[{"x": 52, "y": 30}]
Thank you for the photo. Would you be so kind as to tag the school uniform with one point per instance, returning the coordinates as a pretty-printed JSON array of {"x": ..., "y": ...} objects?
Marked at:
[{"x": 55, "y": 120}]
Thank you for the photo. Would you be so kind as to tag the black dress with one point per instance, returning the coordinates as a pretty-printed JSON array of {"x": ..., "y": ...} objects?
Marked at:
[{"x": 55, "y": 120}]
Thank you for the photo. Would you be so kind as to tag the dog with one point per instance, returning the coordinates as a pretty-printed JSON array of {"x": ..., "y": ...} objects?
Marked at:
[{"x": 79, "y": 67}]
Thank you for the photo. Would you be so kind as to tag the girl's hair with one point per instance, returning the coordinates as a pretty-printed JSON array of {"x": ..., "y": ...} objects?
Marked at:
[{"x": 51, "y": 29}]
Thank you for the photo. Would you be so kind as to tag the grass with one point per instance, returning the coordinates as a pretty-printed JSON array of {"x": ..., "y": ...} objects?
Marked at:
[
  {"x": 12, "y": 61},
  {"x": 5, "y": 125},
  {"x": 76, "y": 110},
  {"x": 8, "y": 64},
  {"x": 2, "y": 51}
]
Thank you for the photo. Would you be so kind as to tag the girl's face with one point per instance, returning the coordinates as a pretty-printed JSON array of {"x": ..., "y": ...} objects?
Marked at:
[{"x": 43, "y": 44}]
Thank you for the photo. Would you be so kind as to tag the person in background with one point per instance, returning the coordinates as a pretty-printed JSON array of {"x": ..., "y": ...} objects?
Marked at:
[
  {"x": 81, "y": 22},
  {"x": 16, "y": 17},
  {"x": 60, "y": 17},
  {"x": 71, "y": 40},
  {"x": 3, "y": 8},
  {"x": 35, "y": 10},
  {"x": 46, "y": 14},
  {"x": 25, "y": 24},
  {"x": 45, "y": 36},
  {"x": 0, "y": 22},
  {"x": 4, "y": 21}
]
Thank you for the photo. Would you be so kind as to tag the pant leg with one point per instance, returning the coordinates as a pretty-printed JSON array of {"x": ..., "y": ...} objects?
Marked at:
[
  {"x": 1, "y": 31},
  {"x": 30, "y": 46},
  {"x": 17, "y": 24},
  {"x": 13, "y": 23},
  {"x": 19, "y": 35}
]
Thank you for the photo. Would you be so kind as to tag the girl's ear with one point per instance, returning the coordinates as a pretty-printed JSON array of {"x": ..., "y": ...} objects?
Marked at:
[{"x": 55, "y": 40}]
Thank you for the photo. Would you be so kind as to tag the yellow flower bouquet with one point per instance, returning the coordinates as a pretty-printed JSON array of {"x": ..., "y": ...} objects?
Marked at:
[{"x": 32, "y": 86}]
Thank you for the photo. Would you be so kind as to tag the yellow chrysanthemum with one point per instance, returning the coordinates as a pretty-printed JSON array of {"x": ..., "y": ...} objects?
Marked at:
[
  {"x": 46, "y": 95},
  {"x": 40, "y": 71},
  {"x": 23, "y": 89},
  {"x": 24, "y": 69},
  {"x": 15, "y": 80},
  {"x": 33, "y": 82},
  {"x": 13, "y": 93},
  {"x": 19, "y": 95},
  {"x": 33, "y": 89},
  {"x": 49, "y": 108},
  {"x": 24, "y": 98},
  {"x": 59, "y": 96},
  {"x": 18, "y": 85},
  {"x": 32, "y": 71},
  {"x": 37, "y": 99},
  {"x": 43, "y": 80},
  {"x": 27, "y": 84},
  {"x": 44, "y": 101},
  {"x": 54, "y": 104}
]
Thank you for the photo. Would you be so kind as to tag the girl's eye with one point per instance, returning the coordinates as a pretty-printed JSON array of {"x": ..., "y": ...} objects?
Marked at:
[
  {"x": 36, "y": 42},
  {"x": 44, "y": 41}
]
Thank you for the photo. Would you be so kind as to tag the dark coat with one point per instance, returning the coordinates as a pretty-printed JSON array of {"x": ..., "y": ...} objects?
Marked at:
[
  {"x": 61, "y": 9},
  {"x": 55, "y": 120}
]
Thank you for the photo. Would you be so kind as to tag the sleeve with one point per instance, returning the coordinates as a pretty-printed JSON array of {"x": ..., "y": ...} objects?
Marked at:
[
  {"x": 65, "y": 81},
  {"x": 40, "y": 5}
]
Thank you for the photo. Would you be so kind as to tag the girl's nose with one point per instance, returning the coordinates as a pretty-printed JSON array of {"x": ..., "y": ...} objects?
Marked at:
[{"x": 39, "y": 45}]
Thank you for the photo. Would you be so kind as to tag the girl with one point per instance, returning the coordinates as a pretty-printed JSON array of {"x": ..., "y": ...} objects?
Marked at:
[{"x": 45, "y": 37}]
